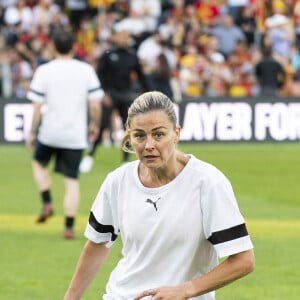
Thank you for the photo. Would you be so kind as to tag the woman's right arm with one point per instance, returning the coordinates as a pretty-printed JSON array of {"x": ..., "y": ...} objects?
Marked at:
[{"x": 91, "y": 259}]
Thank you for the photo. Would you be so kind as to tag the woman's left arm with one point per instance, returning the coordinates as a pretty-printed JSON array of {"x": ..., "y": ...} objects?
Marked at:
[{"x": 231, "y": 269}]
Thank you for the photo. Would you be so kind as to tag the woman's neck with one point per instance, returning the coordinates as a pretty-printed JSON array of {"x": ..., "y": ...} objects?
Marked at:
[{"x": 152, "y": 178}]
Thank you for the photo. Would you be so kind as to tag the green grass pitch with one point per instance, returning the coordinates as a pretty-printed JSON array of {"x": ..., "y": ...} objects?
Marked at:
[{"x": 36, "y": 263}]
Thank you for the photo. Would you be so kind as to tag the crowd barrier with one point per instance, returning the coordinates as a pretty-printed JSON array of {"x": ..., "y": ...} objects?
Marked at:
[{"x": 201, "y": 119}]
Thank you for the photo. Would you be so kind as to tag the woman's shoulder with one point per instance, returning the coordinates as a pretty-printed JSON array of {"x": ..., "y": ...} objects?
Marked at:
[
  {"x": 205, "y": 170},
  {"x": 122, "y": 172}
]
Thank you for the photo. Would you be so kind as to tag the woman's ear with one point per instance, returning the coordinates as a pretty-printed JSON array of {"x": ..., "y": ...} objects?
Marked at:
[{"x": 177, "y": 135}]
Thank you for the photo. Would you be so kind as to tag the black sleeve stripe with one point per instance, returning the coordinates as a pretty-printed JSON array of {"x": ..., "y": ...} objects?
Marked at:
[
  {"x": 94, "y": 89},
  {"x": 37, "y": 93},
  {"x": 229, "y": 234},
  {"x": 102, "y": 228}
]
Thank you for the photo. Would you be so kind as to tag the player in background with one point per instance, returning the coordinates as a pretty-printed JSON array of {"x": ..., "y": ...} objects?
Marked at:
[
  {"x": 115, "y": 69},
  {"x": 62, "y": 92}
]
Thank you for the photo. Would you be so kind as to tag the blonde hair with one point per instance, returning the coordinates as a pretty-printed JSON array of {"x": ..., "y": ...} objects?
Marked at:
[{"x": 147, "y": 102}]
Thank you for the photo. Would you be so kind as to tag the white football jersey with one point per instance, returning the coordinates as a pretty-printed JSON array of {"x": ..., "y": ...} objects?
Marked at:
[
  {"x": 170, "y": 234},
  {"x": 65, "y": 86}
]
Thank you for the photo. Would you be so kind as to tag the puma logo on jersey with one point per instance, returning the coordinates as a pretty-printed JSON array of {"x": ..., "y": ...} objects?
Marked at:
[{"x": 153, "y": 202}]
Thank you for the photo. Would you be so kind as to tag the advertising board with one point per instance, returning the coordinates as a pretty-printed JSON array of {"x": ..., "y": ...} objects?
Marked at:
[{"x": 201, "y": 119}]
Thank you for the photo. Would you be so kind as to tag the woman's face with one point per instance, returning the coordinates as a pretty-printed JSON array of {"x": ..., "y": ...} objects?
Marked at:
[{"x": 153, "y": 137}]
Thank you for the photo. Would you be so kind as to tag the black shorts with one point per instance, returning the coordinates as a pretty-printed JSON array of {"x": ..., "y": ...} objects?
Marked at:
[{"x": 66, "y": 160}]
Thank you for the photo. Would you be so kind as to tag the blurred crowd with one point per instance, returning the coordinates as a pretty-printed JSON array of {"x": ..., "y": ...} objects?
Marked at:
[{"x": 197, "y": 48}]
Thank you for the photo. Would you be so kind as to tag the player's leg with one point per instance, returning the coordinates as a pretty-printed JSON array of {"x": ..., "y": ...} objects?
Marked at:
[
  {"x": 67, "y": 163},
  {"x": 88, "y": 161},
  {"x": 42, "y": 179},
  {"x": 71, "y": 204},
  {"x": 41, "y": 176},
  {"x": 106, "y": 126}
]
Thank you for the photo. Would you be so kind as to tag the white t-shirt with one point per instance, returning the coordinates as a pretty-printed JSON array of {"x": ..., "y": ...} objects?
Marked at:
[
  {"x": 170, "y": 234},
  {"x": 65, "y": 86}
]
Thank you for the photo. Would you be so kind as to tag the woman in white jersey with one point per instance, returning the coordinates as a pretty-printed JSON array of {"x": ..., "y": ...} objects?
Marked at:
[{"x": 176, "y": 216}]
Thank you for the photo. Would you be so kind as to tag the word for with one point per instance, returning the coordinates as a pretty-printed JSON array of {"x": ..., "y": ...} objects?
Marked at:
[{"x": 240, "y": 121}]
